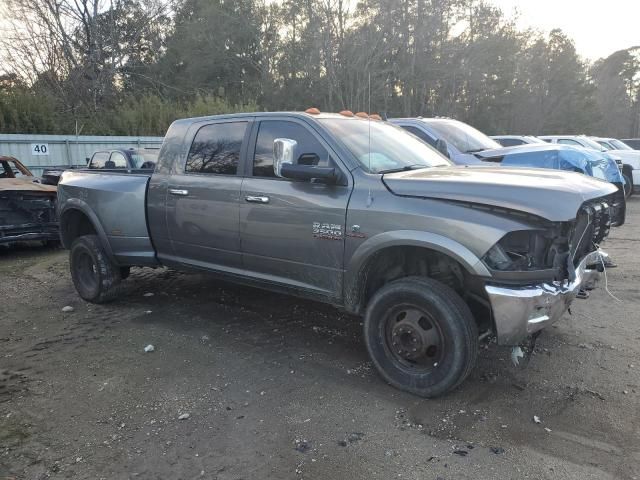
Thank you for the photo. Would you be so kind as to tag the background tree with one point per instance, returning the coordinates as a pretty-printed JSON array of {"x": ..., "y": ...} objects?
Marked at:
[{"x": 132, "y": 66}]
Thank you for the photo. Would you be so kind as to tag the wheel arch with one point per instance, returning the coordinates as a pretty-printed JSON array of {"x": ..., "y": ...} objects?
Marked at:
[
  {"x": 372, "y": 255},
  {"x": 77, "y": 219}
]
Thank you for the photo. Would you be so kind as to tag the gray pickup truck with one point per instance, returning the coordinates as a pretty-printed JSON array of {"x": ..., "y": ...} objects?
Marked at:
[{"x": 356, "y": 213}]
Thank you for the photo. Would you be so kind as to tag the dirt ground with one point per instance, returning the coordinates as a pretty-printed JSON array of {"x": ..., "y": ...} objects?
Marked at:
[{"x": 280, "y": 388}]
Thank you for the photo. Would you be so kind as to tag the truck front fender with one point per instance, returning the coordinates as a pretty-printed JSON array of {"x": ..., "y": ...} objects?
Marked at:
[{"x": 356, "y": 265}]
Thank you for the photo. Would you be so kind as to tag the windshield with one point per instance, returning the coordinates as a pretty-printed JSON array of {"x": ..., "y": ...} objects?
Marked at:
[
  {"x": 144, "y": 159},
  {"x": 380, "y": 146},
  {"x": 463, "y": 137},
  {"x": 588, "y": 143},
  {"x": 606, "y": 145},
  {"x": 620, "y": 145}
]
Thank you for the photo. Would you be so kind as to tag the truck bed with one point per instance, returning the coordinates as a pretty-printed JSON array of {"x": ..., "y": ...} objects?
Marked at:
[{"x": 115, "y": 203}]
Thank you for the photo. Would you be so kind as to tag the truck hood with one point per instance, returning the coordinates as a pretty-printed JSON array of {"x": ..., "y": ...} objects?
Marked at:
[{"x": 550, "y": 194}]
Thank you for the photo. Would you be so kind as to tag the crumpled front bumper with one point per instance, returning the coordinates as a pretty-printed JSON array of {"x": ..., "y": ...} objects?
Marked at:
[{"x": 521, "y": 311}]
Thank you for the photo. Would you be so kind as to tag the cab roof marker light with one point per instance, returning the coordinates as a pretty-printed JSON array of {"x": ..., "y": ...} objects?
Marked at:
[
  {"x": 362, "y": 115},
  {"x": 346, "y": 113},
  {"x": 312, "y": 111}
]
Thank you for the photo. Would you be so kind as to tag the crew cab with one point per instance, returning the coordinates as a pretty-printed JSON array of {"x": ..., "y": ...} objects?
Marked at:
[{"x": 357, "y": 213}]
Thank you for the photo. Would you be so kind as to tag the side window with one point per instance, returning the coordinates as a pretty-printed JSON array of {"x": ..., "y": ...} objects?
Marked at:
[
  {"x": 99, "y": 160},
  {"x": 118, "y": 160},
  {"x": 568, "y": 141},
  {"x": 216, "y": 149},
  {"x": 420, "y": 134},
  {"x": 272, "y": 129},
  {"x": 510, "y": 142}
]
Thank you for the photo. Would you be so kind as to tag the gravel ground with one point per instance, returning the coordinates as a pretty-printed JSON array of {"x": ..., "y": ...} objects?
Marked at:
[{"x": 276, "y": 387}]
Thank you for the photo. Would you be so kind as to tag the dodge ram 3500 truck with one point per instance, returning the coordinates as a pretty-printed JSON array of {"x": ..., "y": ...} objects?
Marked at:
[{"x": 356, "y": 213}]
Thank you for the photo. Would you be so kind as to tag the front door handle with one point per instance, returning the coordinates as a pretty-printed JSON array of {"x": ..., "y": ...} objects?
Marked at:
[
  {"x": 178, "y": 191},
  {"x": 256, "y": 199}
]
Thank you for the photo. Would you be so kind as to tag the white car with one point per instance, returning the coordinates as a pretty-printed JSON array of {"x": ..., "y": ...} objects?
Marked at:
[{"x": 630, "y": 158}]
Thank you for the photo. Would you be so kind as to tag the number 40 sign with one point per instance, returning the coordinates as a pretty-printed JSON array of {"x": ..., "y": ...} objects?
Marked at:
[{"x": 39, "y": 149}]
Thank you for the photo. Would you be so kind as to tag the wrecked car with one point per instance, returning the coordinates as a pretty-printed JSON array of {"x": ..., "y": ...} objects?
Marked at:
[
  {"x": 27, "y": 207},
  {"x": 357, "y": 213}
]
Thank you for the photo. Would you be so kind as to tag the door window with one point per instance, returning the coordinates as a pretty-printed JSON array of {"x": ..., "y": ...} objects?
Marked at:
[
  {"x": 118, "y": 160},
  {"x": 216, "y": 149},
  {"x": 510, "y": 142},
  {"x": 568, "y": 141},
  {"x": 99, "y": 160},
  {"x": 272, "y": 129}
]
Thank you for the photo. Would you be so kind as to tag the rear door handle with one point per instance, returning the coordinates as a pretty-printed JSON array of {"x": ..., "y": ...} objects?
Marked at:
[
  {"x": 256, "y": 199},
  {"x": 178, "y": 191}
]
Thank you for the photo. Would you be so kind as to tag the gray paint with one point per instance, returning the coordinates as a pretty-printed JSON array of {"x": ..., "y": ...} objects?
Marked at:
[
  {"x": 551, "y": 194},
  {"x": 276, "y": 245}
]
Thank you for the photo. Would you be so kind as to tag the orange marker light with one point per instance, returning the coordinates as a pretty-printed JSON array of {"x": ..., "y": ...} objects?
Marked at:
[
  {"x": 362, "y": 115},
  {"x": 346, "y": 113},
  {"x": 312, "y": 111},
  {"x": 375, "y": 116}
]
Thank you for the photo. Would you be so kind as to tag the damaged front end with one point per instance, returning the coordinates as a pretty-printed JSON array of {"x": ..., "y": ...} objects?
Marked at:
[
  {"x": 27, "y": 215},
  {"x": 537, "y": 273}
]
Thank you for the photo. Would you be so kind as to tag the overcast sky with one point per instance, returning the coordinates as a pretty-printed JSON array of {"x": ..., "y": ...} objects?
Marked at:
[{"x": 598, "y": 27}]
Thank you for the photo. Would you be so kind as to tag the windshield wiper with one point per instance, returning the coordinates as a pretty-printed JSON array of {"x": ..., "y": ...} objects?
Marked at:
[
  {"x": 475, "y": 150},
  {"x": 403, "y": 169}
]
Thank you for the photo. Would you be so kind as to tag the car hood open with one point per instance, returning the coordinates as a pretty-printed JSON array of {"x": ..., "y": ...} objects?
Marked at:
[{"x": 550, "y": 194}]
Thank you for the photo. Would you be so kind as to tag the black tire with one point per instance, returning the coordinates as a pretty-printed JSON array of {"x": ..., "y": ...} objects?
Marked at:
[
  {"x": 96, "y": 279},
  {"x": 628, "y": 187},
  {"x": 444, "y": 363}
]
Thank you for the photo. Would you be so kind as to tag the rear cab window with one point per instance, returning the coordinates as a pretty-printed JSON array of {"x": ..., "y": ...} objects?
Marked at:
[{"x": 216, "y": 149}]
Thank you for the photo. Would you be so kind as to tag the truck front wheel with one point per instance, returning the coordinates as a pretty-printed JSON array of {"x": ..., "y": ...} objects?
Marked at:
[
  {"x": 421, "y": 336},
  {"x": 94, "y": 276}
]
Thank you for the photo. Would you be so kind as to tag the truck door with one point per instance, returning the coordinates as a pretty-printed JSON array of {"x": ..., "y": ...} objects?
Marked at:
[
  {"x": 292, "y": 232},
  {"x": 203, "y": 197}
]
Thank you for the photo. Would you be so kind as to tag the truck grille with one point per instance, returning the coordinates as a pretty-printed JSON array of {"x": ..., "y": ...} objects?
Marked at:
[{"x": 593, "y": 223}]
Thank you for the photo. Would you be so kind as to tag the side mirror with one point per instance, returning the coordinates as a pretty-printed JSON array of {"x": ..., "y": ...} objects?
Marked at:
[
  {"x": 283, "y": 153},
  {"x": 442, "y": 147}
]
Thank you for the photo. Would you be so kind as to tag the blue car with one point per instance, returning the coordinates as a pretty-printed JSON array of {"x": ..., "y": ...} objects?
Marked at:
[{"x": 563, "y": 157}]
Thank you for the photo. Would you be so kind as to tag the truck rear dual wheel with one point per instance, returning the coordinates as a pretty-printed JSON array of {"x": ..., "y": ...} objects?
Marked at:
[
  {"x": 421, "y": 336},
  {"x": 96, "y": 279}
]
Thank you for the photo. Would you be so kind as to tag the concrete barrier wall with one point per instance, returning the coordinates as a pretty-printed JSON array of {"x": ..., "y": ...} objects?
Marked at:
[{"x": 44, "y": 151}]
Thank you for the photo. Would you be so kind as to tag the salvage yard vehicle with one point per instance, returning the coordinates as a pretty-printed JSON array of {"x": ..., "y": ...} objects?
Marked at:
[
  {"x": 563, "y": 157},
  {"x": 124, "y": 158},
  {"x": 356, "y": 213},
  {"x": 453, "y": 138},
  {"x": 630, "y": 160},
  {"x": 27, "y": 207}
]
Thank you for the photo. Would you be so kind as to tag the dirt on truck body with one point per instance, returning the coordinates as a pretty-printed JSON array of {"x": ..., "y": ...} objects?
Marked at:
[{"x": 27, "y": 207}]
